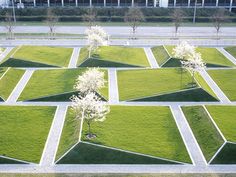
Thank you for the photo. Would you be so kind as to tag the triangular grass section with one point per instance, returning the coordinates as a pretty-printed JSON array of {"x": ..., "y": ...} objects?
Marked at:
[
  {"x": 227, "y": 155},
  {"x": 84, "y": 153},
  {"x": 65, "y": 97},
  {"x": 174, "y": 62},
  {"x": 196, "y": 94},
  {"x": 9, "y": 161},
  {"x": 93, "y": 62},
  {"x": 13, "y": 62}
]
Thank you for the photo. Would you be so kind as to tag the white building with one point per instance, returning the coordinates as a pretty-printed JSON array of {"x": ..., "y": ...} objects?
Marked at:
[{"x": 122, "y": 3}]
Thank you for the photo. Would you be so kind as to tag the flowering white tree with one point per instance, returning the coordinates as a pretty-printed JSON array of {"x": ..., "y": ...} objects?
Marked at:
[
  {"x": 96, "y": 36},
  {"x": 90, "y": 81},
  {"x": 194, "y": 64},
  {"x": 183, "y": 51},
  {"x": 90, "y": 108}
]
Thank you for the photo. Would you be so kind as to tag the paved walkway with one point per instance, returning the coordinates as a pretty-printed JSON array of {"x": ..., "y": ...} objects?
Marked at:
[
  {"x": 151, "y": 58},
  {"x": 5, "y": 53},
  {"x": 223, "y": 98},
  {"x": 188, "y": 137},
  {"x": 50, "y": 149},
  {"x": 74, "y": 58},
  {"x": 227, "y": 55},
  {"x": 113, "y": 87},
  {"x": 20, "y": 86}
]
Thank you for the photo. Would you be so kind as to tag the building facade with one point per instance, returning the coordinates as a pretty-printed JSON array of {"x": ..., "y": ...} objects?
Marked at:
[{"x": 120, "y": 3}]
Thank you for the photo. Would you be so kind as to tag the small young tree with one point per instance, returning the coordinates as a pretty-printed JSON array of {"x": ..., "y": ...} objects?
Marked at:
[
  {"x": 177, "y": 18},
  {"x": 91, "y": 81},
  {"x": 89, "y": 108},
  {"x": 194, "y": 64},
  {"x": 51, "y": 21},
  {"x": 90, "y": 17},
  {"x": 134, "y": 17},
  {"x": 96, "y": 37},
  {"x": 218, "y": 19},
  {"x": 9, "y": 25}
]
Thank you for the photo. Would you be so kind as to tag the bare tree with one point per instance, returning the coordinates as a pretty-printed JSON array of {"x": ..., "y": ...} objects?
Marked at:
[
  {"x": 90, "y": 17},
  {"x": 51, "y": 21},
  {"x": 177, "y": 18},
  {"x": 134, "y": 17},
  {"x": 9, "y": 25},
  {"x": 218, "y": 19}
]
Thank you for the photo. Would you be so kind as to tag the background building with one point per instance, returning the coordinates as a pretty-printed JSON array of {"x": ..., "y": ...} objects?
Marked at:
[{"x": 121, "y": 3}]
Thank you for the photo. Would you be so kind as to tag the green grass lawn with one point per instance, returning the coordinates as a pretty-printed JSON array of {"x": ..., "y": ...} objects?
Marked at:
[
  {"x": 9, "y": 81},
  {"x": 70, "y": 133},
  {"x": 204, "y": 130},
  {"x": 224, "y": 116},
  {"x": 55, "y": 56},
  {"x": 126, "y": 55},
  {"x": 54, "y": 82},
  {"x": 231, "y": 50},
  {"x": 226, "y": 81},
  {"x": 142, "y": 83},
  {"x": 211, "y": 56},
  {"x": 147, "y": 130},
  {"x": 24, "y": 130},
  {"x": 160, "y": 54}
]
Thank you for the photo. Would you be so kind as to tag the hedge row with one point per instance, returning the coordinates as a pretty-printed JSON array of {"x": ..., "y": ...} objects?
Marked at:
[{"x": 115, "y": 19}]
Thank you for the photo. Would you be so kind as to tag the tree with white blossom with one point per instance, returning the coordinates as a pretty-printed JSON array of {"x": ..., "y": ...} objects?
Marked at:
[
  {"x": 92, "y": 80},
  {"x": 89, "y": 109},
  {"x": 183, "y": 51},
  {"x": 96, "y": 37},
  {"x": 194, "y": 63}
]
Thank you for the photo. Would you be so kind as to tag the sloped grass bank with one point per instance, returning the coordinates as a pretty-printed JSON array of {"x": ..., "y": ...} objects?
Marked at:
[
  {"x": 161, "y": 85},
  {"x": 9, "y": 81},
  {"x": 226, "y": 80},
  {"x": 47, "y": 83},
  {"x": 38, "y": 56},
  {"x": 158, "y": 136},
  {"x": 115, "y": 56},
  {"x": 204, "y": 130},
  {"x": 24, "y": 131},
  {"x": 211, "y": 56}
]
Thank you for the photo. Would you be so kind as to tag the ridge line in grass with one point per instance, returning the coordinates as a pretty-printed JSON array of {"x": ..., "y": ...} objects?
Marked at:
[
  {"x": 72, "y": 147},
  {"x": 33, "y": 62},
  {"x": 164, "y": 93},
  {"x": 135, "y": 153},
  {"x": 231, "y": 142},
  {"x": 48, "y": 96},
  {"x": 18, "y": 160},
  {"x": 214, "y": 123},
  {"x": 115, "y": 62},
  {"x": 217, "y": 152}
]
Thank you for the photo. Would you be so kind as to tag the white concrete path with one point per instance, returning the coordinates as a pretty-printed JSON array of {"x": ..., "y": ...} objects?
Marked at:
[
  {"x": 227, "y": 54},
  {"x": 5, "y": 53},
  {"x": 20, "y": 86},
  {"x": 74, "y": 58},
  {"x": 188, "y": 137},
  {"x": 113, "y": 87},
  {"x": 50, "y": 149},
  {"x": 219, "y": 93},
  {"x": 152, "y": 61}
]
